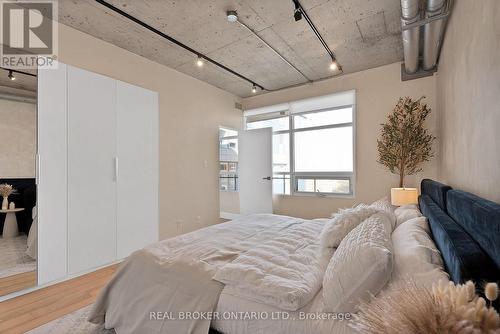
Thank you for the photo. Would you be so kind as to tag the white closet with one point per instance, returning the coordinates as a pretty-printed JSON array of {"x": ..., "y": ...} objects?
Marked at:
[{"x": 106, "y": 203}]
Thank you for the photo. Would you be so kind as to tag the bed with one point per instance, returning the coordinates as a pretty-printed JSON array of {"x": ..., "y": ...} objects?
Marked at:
[{"x": 264, "y": 273}]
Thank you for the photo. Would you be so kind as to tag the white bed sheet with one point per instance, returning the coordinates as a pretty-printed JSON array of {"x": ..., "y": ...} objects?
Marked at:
[{"x": 271, "y": 320}]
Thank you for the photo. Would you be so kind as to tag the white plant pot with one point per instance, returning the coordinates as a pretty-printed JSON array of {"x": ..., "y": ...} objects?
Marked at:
[{"x": 5, "y": 203}]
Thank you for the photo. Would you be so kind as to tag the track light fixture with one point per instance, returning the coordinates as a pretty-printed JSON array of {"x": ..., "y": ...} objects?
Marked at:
[
  {"x": 297, "y": 14},
  {"x": 199, "y": 61},
  {"x": 254, "y": 89},
  {"x": 11, "y": 75},
  {"x": 334, "y": 65}
]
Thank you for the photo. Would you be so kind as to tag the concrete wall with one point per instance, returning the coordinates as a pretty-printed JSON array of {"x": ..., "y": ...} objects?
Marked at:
[
  {"x": 17, "y": 139},
  {"x": 190, "y": 114},
  {"x": 377, "y": 91},
  {"x": 468, "y": 88}
]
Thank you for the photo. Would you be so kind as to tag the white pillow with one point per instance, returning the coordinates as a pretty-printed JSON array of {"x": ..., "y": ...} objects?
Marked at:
[
  {"x": 406, "y": 212},
  {"x": 415, "y": 253},
  {"x": 385, "y": 205},
  {"x": 342, "y": 223},
  {"x": 360, "y": 267}
]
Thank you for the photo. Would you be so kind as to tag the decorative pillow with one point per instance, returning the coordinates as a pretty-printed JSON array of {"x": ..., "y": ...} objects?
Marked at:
[
  {"x": 415, "y": 253},
  {"x": 360, "y": 267},
  {"x": 406, "y": 212},
  {"x": 385, "y": 205},
  {"x": 342, "y": 223}
]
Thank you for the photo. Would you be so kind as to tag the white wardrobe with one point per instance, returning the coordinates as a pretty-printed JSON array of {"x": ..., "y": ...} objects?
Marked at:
[{"x": 97, "y": 171}]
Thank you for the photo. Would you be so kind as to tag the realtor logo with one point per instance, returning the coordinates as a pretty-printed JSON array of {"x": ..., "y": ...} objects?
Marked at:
[{"x": 29, "y": 34}]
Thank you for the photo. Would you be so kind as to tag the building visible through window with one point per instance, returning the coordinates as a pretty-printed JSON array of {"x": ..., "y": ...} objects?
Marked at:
[{"x": 228, "y": 159}]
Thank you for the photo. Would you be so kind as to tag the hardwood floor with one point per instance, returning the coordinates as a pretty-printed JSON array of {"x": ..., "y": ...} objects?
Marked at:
[
  {"x": 23, "y": 313},
  {"x": 17, "y": 282}
]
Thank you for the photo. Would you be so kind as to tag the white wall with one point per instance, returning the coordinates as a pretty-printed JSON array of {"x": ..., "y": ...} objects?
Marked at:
[
  {"x": 468, "y": 87},
  {"x": 191, "y": 112},
  {"x": 377, "y": 91},
  {"x": 17, "y": 139}
]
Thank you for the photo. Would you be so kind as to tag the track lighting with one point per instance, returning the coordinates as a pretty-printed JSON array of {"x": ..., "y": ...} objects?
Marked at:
[
  {"x": 11, "y": 75},
  {"x": 334, "y": 65},
  {"x": 199, "y": 62},
  {"x": 297, "y": 13},
  {"x": 254, "y": 89}
]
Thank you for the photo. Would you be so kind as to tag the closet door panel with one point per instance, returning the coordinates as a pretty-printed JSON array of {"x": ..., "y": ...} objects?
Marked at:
[
  {"x": 91, "y": 170},
  {"x": 137, "y": 188},
  {"x": 52, "y": 175}
]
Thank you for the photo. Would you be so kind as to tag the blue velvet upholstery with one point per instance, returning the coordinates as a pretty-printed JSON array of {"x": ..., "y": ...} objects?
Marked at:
[
  {"x": 480, "y": 218},
  {"x": 463, "y": 257},
  {"x": 437, "y": 192}
]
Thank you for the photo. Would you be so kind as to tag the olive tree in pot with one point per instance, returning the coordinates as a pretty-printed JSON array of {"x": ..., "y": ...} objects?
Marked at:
[{"x": 405, "y": 143}]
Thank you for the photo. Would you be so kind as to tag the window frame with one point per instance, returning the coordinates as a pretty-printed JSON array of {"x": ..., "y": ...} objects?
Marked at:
[{"x": 294, "y": 176}]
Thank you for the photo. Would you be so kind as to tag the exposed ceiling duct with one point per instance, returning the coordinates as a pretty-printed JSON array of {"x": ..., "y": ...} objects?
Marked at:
[
  {"x": 410, "y": 13},
  {"x": 432, "y": 33},
  {"x": 430, "y": 18}
]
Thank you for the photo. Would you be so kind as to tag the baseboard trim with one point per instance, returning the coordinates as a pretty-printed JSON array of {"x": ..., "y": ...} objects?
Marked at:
[{"x": 228, "y": 215}]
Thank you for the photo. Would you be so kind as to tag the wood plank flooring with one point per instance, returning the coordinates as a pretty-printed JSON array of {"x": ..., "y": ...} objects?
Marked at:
[
  {"x": 23, "y": 313},
  {"x": 17, "y": 282}
]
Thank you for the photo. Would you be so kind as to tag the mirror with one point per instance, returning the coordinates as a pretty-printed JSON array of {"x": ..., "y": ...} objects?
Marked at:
[
  {"x": 228, "y": 174},
  {"x": 18, "y": 148}
]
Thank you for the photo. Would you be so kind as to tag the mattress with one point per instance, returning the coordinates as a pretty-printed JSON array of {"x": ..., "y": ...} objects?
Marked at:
[{"x": 240, "y": 316}]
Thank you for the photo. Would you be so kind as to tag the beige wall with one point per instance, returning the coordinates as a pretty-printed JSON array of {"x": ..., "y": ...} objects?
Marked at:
[
  {"x": 190, "y": 114},
  {"x": 468, "y": 87},
  {"x": 17, "y": 139},
  {"x": 377, "y": 91}
]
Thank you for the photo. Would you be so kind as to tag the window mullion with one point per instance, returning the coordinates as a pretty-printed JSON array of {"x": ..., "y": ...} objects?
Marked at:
[{"x": 292, "y": 154}]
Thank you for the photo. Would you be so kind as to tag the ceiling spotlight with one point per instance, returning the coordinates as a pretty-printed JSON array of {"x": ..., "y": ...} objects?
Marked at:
[
  {"x": 254, "y": 89},
  {"x": 11, "y": 75},
  {"x": 199, "y": 62},
  {"x": 297, "y": 14},
  {"x": 334, "y": 65},
  {"x": 232, "y": 16}
]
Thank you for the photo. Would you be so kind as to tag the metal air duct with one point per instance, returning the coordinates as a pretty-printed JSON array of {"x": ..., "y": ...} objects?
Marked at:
[
  {"x": 432, "y": 32},
  {"x": 411, "y": 37}
]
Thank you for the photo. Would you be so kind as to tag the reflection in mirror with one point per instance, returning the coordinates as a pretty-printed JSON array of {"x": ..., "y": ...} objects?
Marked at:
[
  {"x": 18, "y": 223},
  {"x": 228, "y": 174}
]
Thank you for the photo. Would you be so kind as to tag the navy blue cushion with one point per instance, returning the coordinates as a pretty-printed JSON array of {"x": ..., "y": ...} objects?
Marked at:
[
  {"x": 463, "y": 258},
  {"x": 437, "y": 191},
  {"x": 480, "y": 218}
]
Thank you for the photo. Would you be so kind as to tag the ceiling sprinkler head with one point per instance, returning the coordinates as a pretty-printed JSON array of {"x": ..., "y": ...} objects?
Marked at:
[{"x": 232, "y": 16}]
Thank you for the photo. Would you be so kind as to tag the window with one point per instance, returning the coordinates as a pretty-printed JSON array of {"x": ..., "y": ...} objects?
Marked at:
[
  {"x": 228, "y": 159},
  {"x": 313, "y": 144}
]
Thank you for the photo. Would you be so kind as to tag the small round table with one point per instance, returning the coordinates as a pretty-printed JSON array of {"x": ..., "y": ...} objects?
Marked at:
[{"x": 10, "y": 229}]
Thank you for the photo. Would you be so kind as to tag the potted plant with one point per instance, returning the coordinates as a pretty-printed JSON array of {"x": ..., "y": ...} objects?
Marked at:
[
  {"x": 6, "y": 190},
  {"x": 405, "y": 144}
]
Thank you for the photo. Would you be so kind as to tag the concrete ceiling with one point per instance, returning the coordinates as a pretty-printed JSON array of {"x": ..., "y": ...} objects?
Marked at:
[
  {"x": 23, "y": 86},
  {"x": 362, "y": 33}
]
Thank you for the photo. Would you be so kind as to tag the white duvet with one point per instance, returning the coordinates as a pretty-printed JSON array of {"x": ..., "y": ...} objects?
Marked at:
[
  {"x": 286, "y": 271},
  {"x": 175, "y": 275}
]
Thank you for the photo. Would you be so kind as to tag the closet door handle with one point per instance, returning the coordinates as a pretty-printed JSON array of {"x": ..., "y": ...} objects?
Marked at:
[
  {"x": 115, "y": 176},
  {"x": 37, "y": 169}
]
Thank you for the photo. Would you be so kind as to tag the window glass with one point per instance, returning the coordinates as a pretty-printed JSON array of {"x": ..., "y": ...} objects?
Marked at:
[
  {"x": 281, "y": 184},
  {"x": 278, "y": 124},
  {"x": 341, "y": 186},
  {"x": 333, "y": 186},
  {"x": 281, "y": 152},
  {"x": 325, "y": 150},
  {"x": 321, "y": 118}
]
